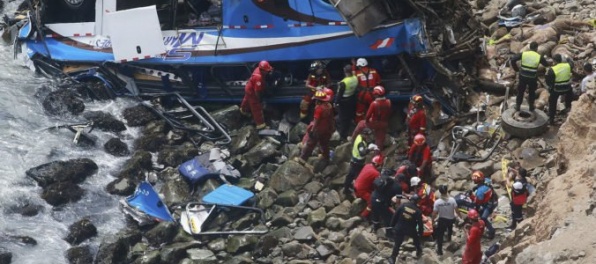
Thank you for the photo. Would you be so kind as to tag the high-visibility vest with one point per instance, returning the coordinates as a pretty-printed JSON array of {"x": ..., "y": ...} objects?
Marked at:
[
  {"x": 529, "y": 63},
  {"x": 351, "y": 83},
  {"x": 355, "y": 151},
  {"x": 562, "y": 73}
]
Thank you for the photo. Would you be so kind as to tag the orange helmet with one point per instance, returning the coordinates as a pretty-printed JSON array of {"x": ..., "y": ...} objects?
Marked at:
[
  {"x": 322, "y": 96},
  {"x": 419, "y": 139},
  {"x": 417, "y": 99},
  {"x": 473, "y": 214},
  {"x": 265, "y": 66},
  {"x": 477, "y": 176},
  {"x": 377, "y": 160},
  {"x": 378, "y": 91}
]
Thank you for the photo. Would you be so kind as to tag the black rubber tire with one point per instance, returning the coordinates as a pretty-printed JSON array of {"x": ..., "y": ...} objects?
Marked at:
[{"x": 516, "y": 124}]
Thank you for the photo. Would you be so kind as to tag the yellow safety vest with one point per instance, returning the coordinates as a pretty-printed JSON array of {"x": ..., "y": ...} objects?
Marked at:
[
  {"x": 529, "y": 63},
  {"x": 351, "y": 84},
  {"x": 355, "y": 151},
  {"x": 562, "y": 73}
]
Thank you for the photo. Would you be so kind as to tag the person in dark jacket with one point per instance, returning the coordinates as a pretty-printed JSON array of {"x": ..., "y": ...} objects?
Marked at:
[
  {"x": 407, "y": 221},
  {"x": 528, "y": 78},
  {"x": 558, "y": 80},
  {"x": 386, "y": 188}
]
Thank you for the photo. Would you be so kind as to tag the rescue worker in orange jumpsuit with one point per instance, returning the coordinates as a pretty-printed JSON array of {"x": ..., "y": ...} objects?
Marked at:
[
  {"x": 251, "y": 103},
  {"x": 421, "y": 156},
  {"x": 473, "y": 252},
  {"x": 368, "y": 78},
  {"x": 426, "y": 194},
  {"x": 416, "y": 118},
  {"x": 363, "y": 185},
  {"x": 404, "y": 174},
  {"x": 321, "y": 128},
  {"x": 377, "y": 117},
  {"x": 317, "y": 80}
]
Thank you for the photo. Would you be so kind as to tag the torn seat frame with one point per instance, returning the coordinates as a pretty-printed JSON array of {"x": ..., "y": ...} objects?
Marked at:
[{"x": 488, "y": 141}]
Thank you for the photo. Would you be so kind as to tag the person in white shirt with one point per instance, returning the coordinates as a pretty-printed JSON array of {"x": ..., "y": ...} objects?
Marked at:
[
  {"x": 590, "y": 75},
  {"x": 445, "y": 209}
]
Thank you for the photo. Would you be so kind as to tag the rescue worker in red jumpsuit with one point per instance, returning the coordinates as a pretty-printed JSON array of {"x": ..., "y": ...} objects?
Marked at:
[
  {"x": 251, "y": 103},
  {"x": 473, "y": 252},
  {"x": 404, "y": 174},
  {"x": 368, "y": 78},
  {"x": 317, "y": 80},
  {"x": 426, "y": 194},
  {"x": 377, "y": 117},
  {"x": 421, "y": 156},
  {"x": 363, "y": 185},
  {"x": 416, "y": 118},
  {"x": 321, "y": 128}
]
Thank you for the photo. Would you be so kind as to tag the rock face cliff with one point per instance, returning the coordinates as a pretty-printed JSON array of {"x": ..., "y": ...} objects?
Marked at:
[{"x": 563, "y": 226}]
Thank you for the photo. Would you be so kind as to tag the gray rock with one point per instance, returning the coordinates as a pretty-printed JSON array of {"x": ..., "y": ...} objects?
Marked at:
[
  {"x": 329, "y": 198},
  {"x": 201, "y": 256},
  {"x": 341, "y": 211},
  {"x": 138, "y": 115},
  {"x": 283, "y": 232},
  {"x": 239, "y": 244},
  {"x": 174, "y": 253},
  {"x": 333, "y": 223},
  {"x": 230, "y": 117},
  {"x": 5, "y": 257},
  {"x": 362, "y": 258},
  {"x": 266, "y": 245},
  {"x": 116, "y": 147},
  {"x": 152, "y": 142},
  {"x": 76, "y": 255},
  {"x": 245, "y": 139},
  {"x": 314, "y": 204},
  {"x": 63, "y": 102},
  {"x": 336, "y": 237},
  {"x": 262, "y": 151},
  {"x": 360, "y": 242},
  {"x": 151, "y": 257},
  {"x": 133, "y": 167},
  {"x": 317, "y": 217},
  {"x": 305, "y": 233},
  {"x": 357, "y": 207},
  {"x": 162, "y": 233},
  {"x": 514, "y": 143},
  {"x": 313, "y": 187},
  {"x": 173, "y": 156},
  {"x": 351, "y": 223},
  {"x": 24, "y": 208},
  {"x": 105, "y": 121},
  {"x": 292, "y": 249},
  {"x": 442, "y": 180},
  {"x": 288, "y": 198},
  {"x": 459, "y": 171},
  {"x": 114, "y": 249},
  {"x": 139, "y": 249},
  {"x": 486, "y": 167},
  {"x": 62, "y": 192},
  {"x": 323, "y": 251},
  {"x": 124, "y": 187},
  {"x": 80, "y": 231},
  {"x": 290, "y": 175},
  {"x": 297, "y": 132},
  {"x": 342, "y": 153},
  {"x": 245, "y": 221},
  {"x": 75, "y": 170},
  {"x": 281, "y": 219},
  {"x": 175, "y": 189},
  {"x": 218, "y": 244},
  {"x": 266, "y": 198}
]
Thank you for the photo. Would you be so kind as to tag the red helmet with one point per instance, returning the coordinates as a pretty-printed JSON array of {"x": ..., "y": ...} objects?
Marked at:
[
  {"x": 322, "y": 96},
  {"x": 378, "y": 91},
  {"x": 329, "y": 92},
  {"x": 377, "y": 160},
  {"x": 419, "y": 139},
  {"x": 417, "y": 99},
  {"x": 265, "y": 66},
  {"x": 473, "y": 214},
  {"x": 478, "y": 176}
]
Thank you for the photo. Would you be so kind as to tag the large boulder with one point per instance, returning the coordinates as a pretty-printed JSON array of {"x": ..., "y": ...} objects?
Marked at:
[
  {"x": 173, "y": 156},
  {"x": 76, "y": 171},
  {"x": 62, "y": 102},
  {"x": 245, "y": 139},
  {"x": 360, "y": 242},
  {"x": 174, "y": 253},
  {"x": 5, "y": 256},
  {"x": 290, "y": 175},
  {"x": 175, "y": 188},
  {"x": 133, "y": 168},
  {"x": 25, "y": 208},
  {"x": 138, "y": 115},
  {"x": 62, "y": 192},
  {"x": 257, "y": 155},
  {"x": 105, "y": 121},
  {"x": 297, "y": 132},
  {"x": 79, "y": 255},
  {"x": 116, "y": 147},
  {"x": 230, "y": 117},
  {"x": 239, "y": 244},
  {"x": 80, "y": 231},
  {"x": 162, "y": 233},
  {"x": 114, "y": 249}
]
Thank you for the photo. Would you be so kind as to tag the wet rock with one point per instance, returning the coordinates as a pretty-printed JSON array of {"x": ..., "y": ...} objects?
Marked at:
[
  {"x": 238, "y": 244},
  {"x": 114, "y": 249},
  {"x": 151, "y": 142},
  {"x": 297, "y": 132},
  {"x": 360, "y": 242},
  {"x": 305, "y": 233},
  {"x": 329, "y": 199},
  {"x": 173, "y": 156},
  {"x": 105, "y": 121},
  {"x": 63, "y": 102},
  {"x": 486, "y": 167},
  {"x": 261, "y": 152},
  {"x": 138, "y": 250},
  {"x": 27, "y": 209},
  {"x": 287, "y": 198},
  {"x": 62, "y": 192},
  {"x": 341, "y": 211},
  {"x": 138, "y": 115},
  {"x": 123, "y": 187},
  {"x": 174, "y": 253},
  {"x": 162, "y": 233},
  {"x": 75, "y": 170},
  {"x": 229, "y": 117},
  {"x": 23, "y": 240},
  {"x": 78, "y": 255},
  {"x": 133, "y": 168},
  {"x": 116, "y": 147},
  {"x": 245, "y": 139},
  {"x": 80, "y": 231},
  {"x": 290, "y": 175},
  {"x": 151, "y": 257},
  {"x": 201, "y": 256},
  {"x": 5, "y": 256},
  {"x": 175, "y": 189},
  {"x": 266, "y": 198},
  {"x": 317, "y": 217}
]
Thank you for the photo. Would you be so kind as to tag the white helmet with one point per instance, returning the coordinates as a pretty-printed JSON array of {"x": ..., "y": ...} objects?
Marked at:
[
  {"x": 361, "y": 62},
  {"x": 414, "y": 181},
  {"x": 518, "y": 186}
]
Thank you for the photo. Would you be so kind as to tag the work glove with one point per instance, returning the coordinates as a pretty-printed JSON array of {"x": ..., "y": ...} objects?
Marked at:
[{"x": 373, "y": 147}]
